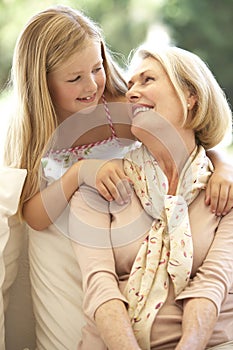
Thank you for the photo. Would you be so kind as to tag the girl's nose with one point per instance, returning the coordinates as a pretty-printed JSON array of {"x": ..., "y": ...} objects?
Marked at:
[{"x": 91, "y": 84}]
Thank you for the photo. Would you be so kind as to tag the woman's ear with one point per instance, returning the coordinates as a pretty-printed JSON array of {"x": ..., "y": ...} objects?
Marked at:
[{"x": 191, "y": 101}]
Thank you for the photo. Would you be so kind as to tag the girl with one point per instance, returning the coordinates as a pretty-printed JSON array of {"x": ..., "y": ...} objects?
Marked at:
[{"x": 61, "y": 66}]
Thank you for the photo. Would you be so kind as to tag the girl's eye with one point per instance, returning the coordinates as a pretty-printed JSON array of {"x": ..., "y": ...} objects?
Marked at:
[
  {"x": 75, "y": 79},
  {"x": 96, "y": 70}
]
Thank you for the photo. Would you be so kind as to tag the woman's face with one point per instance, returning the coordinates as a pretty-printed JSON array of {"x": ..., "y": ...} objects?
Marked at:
[
  {"x": 79, "y": 83},
  {"x": 157, "y": 111},
  {"x": 151, "y": 89}
]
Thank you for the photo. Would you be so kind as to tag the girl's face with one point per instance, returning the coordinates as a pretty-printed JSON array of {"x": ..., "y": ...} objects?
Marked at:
[{"x": 79, "y": 83}]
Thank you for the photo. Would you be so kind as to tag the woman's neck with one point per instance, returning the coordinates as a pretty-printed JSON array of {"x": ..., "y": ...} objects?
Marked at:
[{"x": 172, "y": 156}]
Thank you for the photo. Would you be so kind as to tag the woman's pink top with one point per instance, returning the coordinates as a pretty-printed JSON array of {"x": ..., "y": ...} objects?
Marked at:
[{"x": 107, "y": 248}]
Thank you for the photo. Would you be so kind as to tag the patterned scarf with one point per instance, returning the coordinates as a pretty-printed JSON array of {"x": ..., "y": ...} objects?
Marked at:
[{"x": 167, "y": 250}]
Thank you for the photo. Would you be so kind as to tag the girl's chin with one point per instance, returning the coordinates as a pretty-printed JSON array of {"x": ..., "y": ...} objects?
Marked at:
[
  {"x": 79, "y": 109},
  {"x": 88, "y": 109}
]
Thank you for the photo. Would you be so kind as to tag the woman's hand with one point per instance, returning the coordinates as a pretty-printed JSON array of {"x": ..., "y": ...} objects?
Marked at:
[
  {"x": 108, "y": 178},
  {"x": 219, "y": 191}
]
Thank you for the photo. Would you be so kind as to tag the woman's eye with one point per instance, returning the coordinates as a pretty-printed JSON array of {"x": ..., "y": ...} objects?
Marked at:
[
  {"x": 75, "y": 79},
  {"x": 149, "y": 79}
]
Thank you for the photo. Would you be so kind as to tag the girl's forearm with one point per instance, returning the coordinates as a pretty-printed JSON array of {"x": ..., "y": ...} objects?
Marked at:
[
  {"x": 199, "y": 318},
  {"x": 218, "y": 157},
  {"x": 45, "y": 206}
]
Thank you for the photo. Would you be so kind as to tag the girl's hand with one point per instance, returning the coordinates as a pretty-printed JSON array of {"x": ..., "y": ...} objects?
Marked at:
[
  {"x": 108, "y": 178},
  {"x": 219, "y": 191}
]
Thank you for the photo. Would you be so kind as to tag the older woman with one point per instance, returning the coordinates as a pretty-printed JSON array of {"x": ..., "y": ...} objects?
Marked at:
[{"x": 158, "y": 272}]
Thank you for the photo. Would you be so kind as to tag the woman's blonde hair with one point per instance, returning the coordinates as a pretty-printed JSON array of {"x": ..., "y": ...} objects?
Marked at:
[
  {"x": 47, "y": 41},
  {"x": 212, "y": 116}
]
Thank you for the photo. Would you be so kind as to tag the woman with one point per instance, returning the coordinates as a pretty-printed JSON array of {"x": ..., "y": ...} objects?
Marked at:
[{"x": 157, "y": 290}]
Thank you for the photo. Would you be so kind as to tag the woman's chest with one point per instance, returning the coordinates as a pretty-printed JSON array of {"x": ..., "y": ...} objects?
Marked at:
[{"x": 203, "y": 226}]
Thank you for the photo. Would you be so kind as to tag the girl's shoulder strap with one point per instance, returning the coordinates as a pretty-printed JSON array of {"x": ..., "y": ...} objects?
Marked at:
[{"x": 109, "y": 117}]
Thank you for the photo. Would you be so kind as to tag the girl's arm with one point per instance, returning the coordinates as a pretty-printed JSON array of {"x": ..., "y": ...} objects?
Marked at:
[
  {"x": 45, "y": 206},
  {"x": 196, "y": 331},
  {"x": 113, "y": 184},
  {"x": 219, "y": 191}
]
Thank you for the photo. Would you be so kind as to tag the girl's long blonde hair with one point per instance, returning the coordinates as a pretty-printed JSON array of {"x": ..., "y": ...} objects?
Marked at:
[{"x": 47, "y": 41}]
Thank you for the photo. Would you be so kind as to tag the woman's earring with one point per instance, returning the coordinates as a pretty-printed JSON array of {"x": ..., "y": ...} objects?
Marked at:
[{"x": 188, "y": 105}]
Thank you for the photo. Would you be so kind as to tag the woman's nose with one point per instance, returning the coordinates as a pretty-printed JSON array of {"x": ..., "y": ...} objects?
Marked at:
[{"x": 132, "y": 95}]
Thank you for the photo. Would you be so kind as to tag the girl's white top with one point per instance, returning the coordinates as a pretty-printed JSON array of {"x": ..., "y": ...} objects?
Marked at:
[{"x": 56, "y": 162}]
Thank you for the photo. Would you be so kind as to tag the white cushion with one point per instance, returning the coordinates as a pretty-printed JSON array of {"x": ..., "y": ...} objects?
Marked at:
[{"x": 11, "y": 183}]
